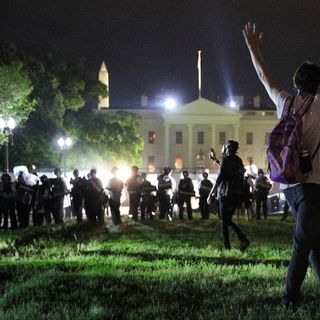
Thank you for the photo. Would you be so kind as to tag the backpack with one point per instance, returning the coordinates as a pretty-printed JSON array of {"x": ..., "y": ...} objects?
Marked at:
[{"x": 284, "y": 145}]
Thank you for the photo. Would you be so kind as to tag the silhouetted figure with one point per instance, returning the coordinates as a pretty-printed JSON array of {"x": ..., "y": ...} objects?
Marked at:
[
  {"x": 247, "y": 197},
  {"x": 133, "y": 185},
  {"x": 24, "y": 195},
  {"x": 262, "y": 188},
  {"x": 59, "y": 190},
  {"x": 77, "y": 194},
  {"x": 166, "y": 187},
  {"x": 44, "y": 200},
  {"x": 204, "y": 191},
  {"x": 7, "y": 202},
  {"x": 93, "y": 191},
  {"x": 229, "y": 191},
  {"x": 115, "y": 187},
  {"x": 34, "y": 182},
  {"x": 148, "y": 199},
  {"x": 185, "y": 192}
]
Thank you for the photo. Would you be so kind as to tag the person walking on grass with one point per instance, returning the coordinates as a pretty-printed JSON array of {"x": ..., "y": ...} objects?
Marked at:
[
  {"x": 303, "y": 197},
  {"x": 228, "y": 187}
]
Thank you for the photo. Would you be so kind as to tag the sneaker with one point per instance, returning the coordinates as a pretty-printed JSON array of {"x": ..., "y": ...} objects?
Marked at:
[{"x": 244, "y": 245}]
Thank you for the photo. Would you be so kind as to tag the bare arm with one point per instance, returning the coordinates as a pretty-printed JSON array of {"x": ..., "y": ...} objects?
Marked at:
[{"x": 253, "y": 40}]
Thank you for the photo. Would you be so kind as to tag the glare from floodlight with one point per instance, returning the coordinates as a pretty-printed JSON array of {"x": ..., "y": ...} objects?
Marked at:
[
  {"x": 61, "y": 142},
  {"x": 64, "y": 143},
  {"x": 11, "y": 123},
  {"x": 232, "y": 104},
  {"x": 68, "y": 142},
  {"x": 170, "y": 103}
]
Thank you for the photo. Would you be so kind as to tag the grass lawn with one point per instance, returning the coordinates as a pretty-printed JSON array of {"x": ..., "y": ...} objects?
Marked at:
[{"x": 151, "y": 270}]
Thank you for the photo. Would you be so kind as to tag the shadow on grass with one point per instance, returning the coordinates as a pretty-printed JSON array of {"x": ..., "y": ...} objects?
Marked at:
[{"x": 230, "y": 261}]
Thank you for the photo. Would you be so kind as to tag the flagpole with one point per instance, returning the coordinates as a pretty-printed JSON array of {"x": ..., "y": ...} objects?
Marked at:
[{"x": 199, "y": 72}]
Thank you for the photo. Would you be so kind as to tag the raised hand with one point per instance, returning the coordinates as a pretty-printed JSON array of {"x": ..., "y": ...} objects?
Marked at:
[{"x": 252, "y": 36}]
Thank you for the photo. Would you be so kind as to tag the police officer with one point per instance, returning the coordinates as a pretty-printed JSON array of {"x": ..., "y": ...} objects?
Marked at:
[
  {"x": 24, "y": 194},
  {"x": 44, "y": 201},
  {"x": 77, "y": 194},
  {"x": 185, "y": 192},
  {"x": 148, "y": 201},
  {"x": 166, "y": 187},
  {"x": 133, "y": 185},
  {"x": 92, "y": 198},
  {"x": 262, "y": 188},
  {"x": 7, "y": 202},
  {"x": 204, "y": 191},
  {"x": 59, "y": 190},
  {"x": 115, "y": 187}
]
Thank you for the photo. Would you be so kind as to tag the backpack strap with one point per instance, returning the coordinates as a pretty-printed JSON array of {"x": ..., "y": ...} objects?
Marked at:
[
  {"x": 305, "y": 106},
  {"x": 287, "y": 106}
]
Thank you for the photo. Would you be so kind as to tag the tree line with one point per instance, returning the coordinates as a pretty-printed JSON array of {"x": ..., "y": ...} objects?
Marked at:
[{"x": 50, "y": 96}]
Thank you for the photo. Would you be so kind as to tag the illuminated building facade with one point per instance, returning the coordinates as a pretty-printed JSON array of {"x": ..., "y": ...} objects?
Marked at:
[{"x": 182, "y": 137}]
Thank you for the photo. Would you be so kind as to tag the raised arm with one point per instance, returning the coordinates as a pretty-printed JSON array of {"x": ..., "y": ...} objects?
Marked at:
[{"x": 253, "y": 40}]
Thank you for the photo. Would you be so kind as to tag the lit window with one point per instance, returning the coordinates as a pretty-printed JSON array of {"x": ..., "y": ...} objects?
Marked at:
[
  {"x": 178, "y": 163},
  {"x": 222, "y": 138},
  {"x": 151, "y": 164},
  {"x": 200, "y": 137},
  {"x": 179, "y": 137},
  {"x": 249, "y": 138},
  {"x": 152, "y": 137}
]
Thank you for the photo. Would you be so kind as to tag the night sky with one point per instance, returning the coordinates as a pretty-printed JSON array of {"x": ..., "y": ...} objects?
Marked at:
[{"x": 150, "y": 46}]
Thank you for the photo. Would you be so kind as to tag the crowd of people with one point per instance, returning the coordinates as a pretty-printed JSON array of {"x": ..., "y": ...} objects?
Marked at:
[
  {"x": 232, "y": 189},
  {"x": 43, "y": 201}
]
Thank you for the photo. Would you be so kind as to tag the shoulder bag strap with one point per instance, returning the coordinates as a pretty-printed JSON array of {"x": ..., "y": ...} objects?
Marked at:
[{"x": 305, "y": 105}]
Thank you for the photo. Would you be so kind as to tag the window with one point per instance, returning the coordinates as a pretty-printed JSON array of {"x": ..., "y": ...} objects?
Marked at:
[
  {"x": 151, "y": 164},
  {"x": 178, "y": 163},
  {"x": 151, "y": 137},
  {"x": 200, "y": 137},
  {"x": 266, "y": 137},
  {"x": 249, "y": 138},
  {"x": 222, "y": 138},
  {"x": 179, "y": 137}
]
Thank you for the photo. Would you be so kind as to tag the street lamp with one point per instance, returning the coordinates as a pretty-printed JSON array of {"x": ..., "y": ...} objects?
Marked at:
[
  {"x": 6, "y": 127},
  {"x": 64, "y": 143}
]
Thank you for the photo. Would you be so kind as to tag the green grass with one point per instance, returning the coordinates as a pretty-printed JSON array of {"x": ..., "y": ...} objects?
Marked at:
[{"x": 151, "y": 270}]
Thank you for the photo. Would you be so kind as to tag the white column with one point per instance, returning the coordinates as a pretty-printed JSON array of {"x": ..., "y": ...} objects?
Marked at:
[
  {"x": 166, "y": 143},
  {"x": 190, "y": 146},
  {"x": 236, "y": 132},
  {"x": 213, "y": 136}
]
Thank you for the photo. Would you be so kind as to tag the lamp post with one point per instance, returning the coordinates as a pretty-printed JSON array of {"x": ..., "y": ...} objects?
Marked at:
[
  {"x": 64, "y": 143},
  {"x": 6, "y": 127}
]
